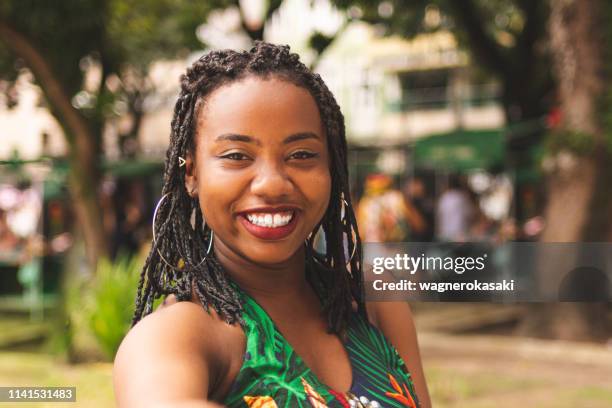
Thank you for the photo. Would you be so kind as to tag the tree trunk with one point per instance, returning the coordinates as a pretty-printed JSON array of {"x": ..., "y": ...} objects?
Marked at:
[
  {"x": 84, "y": 160},
  {"x": 574, "y": 195}
]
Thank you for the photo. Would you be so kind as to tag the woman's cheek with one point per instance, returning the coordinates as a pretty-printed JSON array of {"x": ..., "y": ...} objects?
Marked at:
[
  {"x": 320, "y": 186},
  {"x": 217, "y": 211}
]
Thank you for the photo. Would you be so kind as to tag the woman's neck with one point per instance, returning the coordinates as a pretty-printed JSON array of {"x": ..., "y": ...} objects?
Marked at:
[{"x": 283, "y": 280}]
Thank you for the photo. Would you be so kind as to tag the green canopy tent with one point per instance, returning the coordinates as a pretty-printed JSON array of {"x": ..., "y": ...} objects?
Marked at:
[
  {"x": 461, "y": 151},
  {"x": 516, "y": 150}
]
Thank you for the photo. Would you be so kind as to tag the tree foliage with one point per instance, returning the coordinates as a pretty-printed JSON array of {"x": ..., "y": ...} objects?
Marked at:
[
  {"x": 60, "y": 42},
  {"x": 505, "y": 37},
  {"x": 122, "y": 36}
]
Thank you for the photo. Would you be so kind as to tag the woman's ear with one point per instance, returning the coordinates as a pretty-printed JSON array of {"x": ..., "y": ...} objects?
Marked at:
[{"x": 191, "y": 180}]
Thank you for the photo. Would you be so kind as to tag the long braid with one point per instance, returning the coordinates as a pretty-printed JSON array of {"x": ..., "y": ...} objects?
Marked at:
[{"x": 182, "y": 237}]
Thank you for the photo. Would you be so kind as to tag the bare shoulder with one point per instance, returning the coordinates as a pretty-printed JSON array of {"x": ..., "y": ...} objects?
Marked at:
[
  {"x": 177, "y": 352},
  {"x": 396, "y": 322},
  {"x": 379, "y": 312},
  {"x": 181, "y": 322}
]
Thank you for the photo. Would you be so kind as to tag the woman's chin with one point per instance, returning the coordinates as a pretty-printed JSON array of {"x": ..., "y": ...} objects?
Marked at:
[{"x": 271, "y": 253}]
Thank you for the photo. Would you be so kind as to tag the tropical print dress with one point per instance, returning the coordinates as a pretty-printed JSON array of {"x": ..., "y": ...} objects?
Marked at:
[{"x": 273, "y": 375}]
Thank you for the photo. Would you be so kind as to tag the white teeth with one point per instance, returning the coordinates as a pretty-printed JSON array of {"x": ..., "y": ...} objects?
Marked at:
[{"x": 269, "y": 220}]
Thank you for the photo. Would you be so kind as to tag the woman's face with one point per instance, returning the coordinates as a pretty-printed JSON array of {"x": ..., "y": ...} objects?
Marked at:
[{"x": 261, "y": 168}]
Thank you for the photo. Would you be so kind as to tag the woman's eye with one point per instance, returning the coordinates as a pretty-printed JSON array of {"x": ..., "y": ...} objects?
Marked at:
[
  {"x": 235, "y": 156},
  {"x": 301, "y": 155}
]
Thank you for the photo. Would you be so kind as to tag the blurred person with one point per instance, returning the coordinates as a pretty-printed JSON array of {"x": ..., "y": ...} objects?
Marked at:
[
  {"x": 481, "y": 227},
  {"x": 20, "y": 210},
  {"x": 454, "y": 212},
  {"x": 130, "y": 227},
  {"x": 256, "y": 167},
  {"x": 508, "y": 230},
  {"x": 23, "y": 219},
  {"x": 382, "y": 213},
  {"x": 415, "y": 196},
  {"x": 9, "y": 241}
]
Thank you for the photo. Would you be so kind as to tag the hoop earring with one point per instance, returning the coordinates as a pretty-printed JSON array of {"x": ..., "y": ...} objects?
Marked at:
[
  {"x": 159, "y": 252},
  {"x": 343, "y": 204}
]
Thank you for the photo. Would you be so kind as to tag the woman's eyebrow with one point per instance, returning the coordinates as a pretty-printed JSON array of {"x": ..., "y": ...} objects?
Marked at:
[
  {"x": 233, "y": 137},
  {"x": 300, "y": 136}
]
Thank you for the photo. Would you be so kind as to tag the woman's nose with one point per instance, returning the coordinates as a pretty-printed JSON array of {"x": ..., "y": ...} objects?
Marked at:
[{"x": 271, "y": 181}]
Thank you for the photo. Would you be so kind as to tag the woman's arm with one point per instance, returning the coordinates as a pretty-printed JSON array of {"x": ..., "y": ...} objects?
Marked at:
[
  {"x": 395, "y": 320},
  {"x": 165, "y": 361}
]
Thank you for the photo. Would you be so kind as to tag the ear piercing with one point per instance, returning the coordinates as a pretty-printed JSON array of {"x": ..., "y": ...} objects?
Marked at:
[{"x": 343, "y": 206}]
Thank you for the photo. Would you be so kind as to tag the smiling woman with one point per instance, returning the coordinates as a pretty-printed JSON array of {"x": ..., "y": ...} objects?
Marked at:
[
  {"x": 259, "y": 146},
  {"x": 254, "y": 316}
]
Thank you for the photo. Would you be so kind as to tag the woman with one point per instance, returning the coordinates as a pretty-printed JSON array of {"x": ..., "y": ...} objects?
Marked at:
[{"x": 256, "y": 169}]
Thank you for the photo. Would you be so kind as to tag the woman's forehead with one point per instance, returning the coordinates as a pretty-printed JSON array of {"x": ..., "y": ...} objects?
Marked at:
[{"x": 259, "y": 107}]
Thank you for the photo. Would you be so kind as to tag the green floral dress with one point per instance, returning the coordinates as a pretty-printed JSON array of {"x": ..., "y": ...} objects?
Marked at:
[{"x": 273, "y": 375}]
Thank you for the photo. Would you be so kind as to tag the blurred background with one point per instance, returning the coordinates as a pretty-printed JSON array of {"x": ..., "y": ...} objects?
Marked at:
[{"x": 474, "y": 121}]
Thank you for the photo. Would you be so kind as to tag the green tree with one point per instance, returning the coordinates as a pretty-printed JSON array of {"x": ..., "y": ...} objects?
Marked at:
[
  {"x": 56, "y": 41},
  {"x": 540, "y": 50},
  {"x": 505, "y": 37},
  {"x": 579, "y": 156}
]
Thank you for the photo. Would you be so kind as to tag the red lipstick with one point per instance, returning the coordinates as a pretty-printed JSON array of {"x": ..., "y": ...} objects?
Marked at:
[{"x": 269, "y": 233}]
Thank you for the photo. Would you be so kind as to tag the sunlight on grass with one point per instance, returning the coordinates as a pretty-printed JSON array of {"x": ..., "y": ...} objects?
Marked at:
[
  {"x": 92, "y": 381},
  {"x": 451, "y": 388},
  {"x": 482, "y": 388},
  {"x": 585, "y": 397}
]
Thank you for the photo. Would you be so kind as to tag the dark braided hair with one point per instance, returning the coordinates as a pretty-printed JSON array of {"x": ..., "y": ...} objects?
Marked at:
[{"x": 182, "y": 237}]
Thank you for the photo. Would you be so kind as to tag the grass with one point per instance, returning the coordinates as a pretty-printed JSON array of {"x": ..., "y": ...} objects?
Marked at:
[
  {"x": 15, "y": 330},
  {"x": 461, "y": 370},
  {"x": 453, "y": 388},
  {"x": 586, "y": 397},
  {"x": 92, "y": 381},
  {"x": 449, "y": 387},
  {"x": 485, "y": 381}
]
